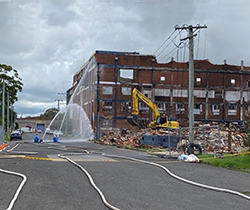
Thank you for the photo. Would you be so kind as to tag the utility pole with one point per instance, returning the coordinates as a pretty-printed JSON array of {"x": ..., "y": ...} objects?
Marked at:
[
  {"x": 3, "y": 103},
  {"x": 8, "y": 112},
  {"x": 190, "y": 36},
  {"x": 58, "y": 104}
]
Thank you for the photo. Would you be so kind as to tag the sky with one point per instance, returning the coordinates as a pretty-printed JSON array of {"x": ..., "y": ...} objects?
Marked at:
[{"x": 48, "y": 41}]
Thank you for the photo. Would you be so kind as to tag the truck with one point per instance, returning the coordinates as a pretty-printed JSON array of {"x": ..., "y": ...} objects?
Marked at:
[{"x": 158, "y": 120}]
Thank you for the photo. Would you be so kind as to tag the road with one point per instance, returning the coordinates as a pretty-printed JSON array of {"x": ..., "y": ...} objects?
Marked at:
[{"x": 54, "y": 183}]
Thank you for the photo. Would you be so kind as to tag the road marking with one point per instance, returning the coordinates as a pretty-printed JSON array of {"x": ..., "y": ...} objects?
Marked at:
[
  {"x": 38, "y": 158},
  {"x": 59, "y": 159}
]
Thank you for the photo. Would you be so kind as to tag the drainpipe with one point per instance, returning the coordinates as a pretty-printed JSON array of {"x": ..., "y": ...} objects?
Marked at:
[
  {"x": 98, "y": 103},
  {"x": 116, "y": 79},
  {"x": 153, "y": 79},
  {"x": 241, "y": 91},
  {"x": 206, "y": 90}
]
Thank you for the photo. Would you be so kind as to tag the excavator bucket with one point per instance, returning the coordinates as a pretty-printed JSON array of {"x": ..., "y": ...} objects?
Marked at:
[{"x": 133, "y": 120}]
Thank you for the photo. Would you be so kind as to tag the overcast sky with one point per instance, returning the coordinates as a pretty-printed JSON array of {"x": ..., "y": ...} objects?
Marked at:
[{"x": 47, "y": 41}]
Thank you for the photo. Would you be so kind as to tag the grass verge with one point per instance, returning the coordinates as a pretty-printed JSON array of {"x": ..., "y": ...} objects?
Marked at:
[{"x": 239, "y": 162}]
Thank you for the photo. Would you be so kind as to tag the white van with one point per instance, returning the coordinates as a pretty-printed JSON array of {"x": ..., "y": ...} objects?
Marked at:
[{"x": 26, "y": 130}]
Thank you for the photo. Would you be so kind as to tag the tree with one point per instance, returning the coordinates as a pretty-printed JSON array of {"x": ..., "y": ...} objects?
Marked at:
[
  {"x": 50, "y": 113},
  {"x": 13, "y": 85}
]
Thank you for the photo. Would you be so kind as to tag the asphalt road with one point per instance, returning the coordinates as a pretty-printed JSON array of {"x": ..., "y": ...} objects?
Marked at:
[{"x": 54, "y": 183}]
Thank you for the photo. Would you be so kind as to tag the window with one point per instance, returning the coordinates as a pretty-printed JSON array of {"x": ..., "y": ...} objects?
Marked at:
[
  {"x": 180, "y": 108},
  {"x": 126, "y": 106},
  {"x": 161, "y": 106},
  {"x": 106, "y": 105},
  {"x": 126, "y": 90},
  {"x": 127, "y": 73},
  {"x": 232, "y": 109},
  {"x": 143, "y": 107},
  {"x": 232, "y": 82},
  {"x": 215, "y": 109},
  {"x": 107, "y": 90},
  {"x": 197, "y": 108},
  {"x": 198, "y": 81},
  {"x": 248, "y": 83},
  {"x": 162, "y": 79},
  {"x": 218, "y": 94},
  {"x": 107, "y": 123}
]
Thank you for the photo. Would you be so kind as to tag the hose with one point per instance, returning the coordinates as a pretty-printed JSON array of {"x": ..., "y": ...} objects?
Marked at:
[
  {"x": 180, "y": 178},
  {"x": 9, "y": 150},
  {"x": 91, "y": 182},
  {"x": 19, "y": 188}
]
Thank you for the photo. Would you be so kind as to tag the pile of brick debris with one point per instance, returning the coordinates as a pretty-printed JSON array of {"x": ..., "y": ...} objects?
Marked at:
[{"x": 228, "y": 138}]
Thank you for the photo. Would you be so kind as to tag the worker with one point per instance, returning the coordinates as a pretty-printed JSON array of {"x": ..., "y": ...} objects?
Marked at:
[
  {"x": 36, "y": 138},
  {"x": 55, "y": 138},
  {"x": 163, "y": 119}
]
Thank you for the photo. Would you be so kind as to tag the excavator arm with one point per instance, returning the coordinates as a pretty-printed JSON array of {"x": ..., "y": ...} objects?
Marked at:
[{"x": 157, "y": 121}]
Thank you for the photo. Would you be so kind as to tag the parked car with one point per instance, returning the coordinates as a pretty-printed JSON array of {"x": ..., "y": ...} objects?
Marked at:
[
  {"x": 16, "y": 135},
  {"x": 20, "y": 130}
]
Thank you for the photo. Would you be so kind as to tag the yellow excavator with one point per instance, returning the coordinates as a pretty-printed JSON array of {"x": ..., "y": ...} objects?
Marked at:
[{"x": 158, "y": 121}]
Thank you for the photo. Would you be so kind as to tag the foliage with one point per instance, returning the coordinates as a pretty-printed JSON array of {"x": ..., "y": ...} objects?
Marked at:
[
  {"x": 50, "y": 113},
  {"x": 13, "y": 84},
  {"x": 246, "y": 140}
]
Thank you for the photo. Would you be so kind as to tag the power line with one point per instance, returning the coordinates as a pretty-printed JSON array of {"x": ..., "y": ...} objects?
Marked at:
[{"x": 164, "y": 42}]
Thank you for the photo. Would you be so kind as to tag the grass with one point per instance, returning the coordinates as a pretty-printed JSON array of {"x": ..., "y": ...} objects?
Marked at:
[{"x": 239, "y": 162}]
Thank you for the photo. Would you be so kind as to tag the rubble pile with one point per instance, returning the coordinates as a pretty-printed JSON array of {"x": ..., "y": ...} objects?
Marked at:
[
  {"x": 129, "y": 138},
  {"x": 210, "y": 138},
  {"x": 227, "y": 138}
]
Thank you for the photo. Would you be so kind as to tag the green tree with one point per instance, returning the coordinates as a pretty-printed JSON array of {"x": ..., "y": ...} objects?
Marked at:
[
  {"x": 13, "y": 85},
  {"x": 50, "y": 113}
]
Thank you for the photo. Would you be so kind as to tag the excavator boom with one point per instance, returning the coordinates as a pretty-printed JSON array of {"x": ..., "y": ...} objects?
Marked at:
[{"x": 157, "y": 121}]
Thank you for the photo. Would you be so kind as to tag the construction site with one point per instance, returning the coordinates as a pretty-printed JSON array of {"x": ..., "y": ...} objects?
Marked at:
[{"x": 221, "y": 100}]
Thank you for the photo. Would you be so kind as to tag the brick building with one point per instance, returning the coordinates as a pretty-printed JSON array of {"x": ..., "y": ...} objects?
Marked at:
[{"x": 104, "y": 84}]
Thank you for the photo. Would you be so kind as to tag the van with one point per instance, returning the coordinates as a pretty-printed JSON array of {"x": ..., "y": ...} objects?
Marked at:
[{"x": 26, "y": 130}]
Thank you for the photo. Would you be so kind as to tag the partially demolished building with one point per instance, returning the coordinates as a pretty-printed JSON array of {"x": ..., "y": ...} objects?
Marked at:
[{"x": 104, "y": 84}]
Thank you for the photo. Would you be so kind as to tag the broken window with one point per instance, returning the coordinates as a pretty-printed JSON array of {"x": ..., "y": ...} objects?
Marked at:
[
  {"x": 126, "y": 75},
  {"x": 126, "y": 106},
  {"x": 107, "y": 90},
  {"x": 107, "y": 123},
  {"x": 197, "y": 108},
  {"x": 215, "y": 109},
  {"x": 106, "y": 105},
  {"x": 180, "y": 109},
  {"x": 126, "y": 90},
  {"x": 232, "y": 109},
  {"x": 218, "y": 94}
]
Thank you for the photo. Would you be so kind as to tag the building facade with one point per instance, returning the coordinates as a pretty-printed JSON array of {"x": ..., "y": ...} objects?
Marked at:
[{"x": 104, "y": 84}]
